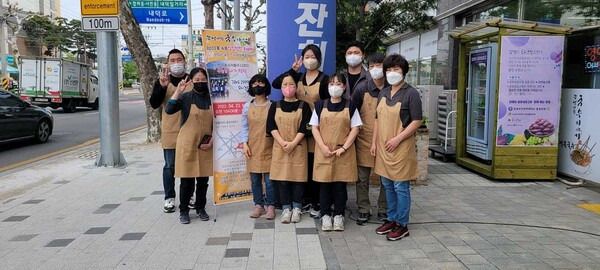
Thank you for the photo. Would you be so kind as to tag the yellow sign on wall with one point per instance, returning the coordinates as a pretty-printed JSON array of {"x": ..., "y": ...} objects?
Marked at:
[{"x": 99, "y": 7}]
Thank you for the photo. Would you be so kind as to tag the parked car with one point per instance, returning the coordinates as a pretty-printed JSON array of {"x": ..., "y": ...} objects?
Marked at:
[{"x": 21, "y": 120}]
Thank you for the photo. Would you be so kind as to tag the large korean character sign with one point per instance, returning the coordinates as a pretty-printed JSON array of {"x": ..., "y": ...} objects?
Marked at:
[{"x": 291, "y": 25}]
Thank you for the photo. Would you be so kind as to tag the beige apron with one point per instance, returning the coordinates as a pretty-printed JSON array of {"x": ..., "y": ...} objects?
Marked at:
[
  {"x": 190, "y": 160},
  {"x": 170, "y": 124},
  {"x": 335, "y": 128},
  {"x": 365, "y": 136},
  {"x": 401, "y": 164},
  {"x": 260, "y": 145},
  {"x": 310, "y": 95},
  {"x": 293, "y": 166}
]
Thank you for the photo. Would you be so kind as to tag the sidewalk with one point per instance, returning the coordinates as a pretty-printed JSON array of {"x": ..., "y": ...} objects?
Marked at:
[{"x": 68, "y": 214}]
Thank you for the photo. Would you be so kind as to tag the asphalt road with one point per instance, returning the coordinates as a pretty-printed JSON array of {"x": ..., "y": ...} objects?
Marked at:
[{"x": 74, "y": 128}]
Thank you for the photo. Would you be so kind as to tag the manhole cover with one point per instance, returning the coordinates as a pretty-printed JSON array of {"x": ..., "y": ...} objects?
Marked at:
[{"x": 89, "y": 155}]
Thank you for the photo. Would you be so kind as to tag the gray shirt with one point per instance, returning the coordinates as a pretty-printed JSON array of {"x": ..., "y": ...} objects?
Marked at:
[{"x": 411, "y": 108}]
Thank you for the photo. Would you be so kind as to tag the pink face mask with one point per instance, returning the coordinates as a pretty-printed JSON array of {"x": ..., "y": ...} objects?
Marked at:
[{"x": 289, "y": 92}]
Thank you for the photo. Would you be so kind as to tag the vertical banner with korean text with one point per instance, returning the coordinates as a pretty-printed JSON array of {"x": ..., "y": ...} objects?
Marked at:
[
  {"x": 230, "y": 62},
  {"x": 291, "y": 25}
]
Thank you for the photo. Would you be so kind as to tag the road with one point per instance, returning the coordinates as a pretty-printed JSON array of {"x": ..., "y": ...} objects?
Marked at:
[{"x": 74, "y": 128}]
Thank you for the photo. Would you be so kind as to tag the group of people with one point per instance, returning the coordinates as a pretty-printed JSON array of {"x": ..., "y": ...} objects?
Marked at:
[{"x": 326, "y": 132}]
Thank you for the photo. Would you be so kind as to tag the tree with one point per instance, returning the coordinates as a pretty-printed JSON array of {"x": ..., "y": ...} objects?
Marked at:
[
  {"x": 371, "y": 21},
  {"x": 130, "y": 71},
  {"x": 209, "y": 13},
  {"x": 142, "y": 57},
  {"x": 83, "y": 44}
]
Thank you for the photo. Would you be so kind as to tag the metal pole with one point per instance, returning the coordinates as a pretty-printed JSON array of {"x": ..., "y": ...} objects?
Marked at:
[
  {"x": 3, "y": 41},
  {"x": 120, "y": 63},
  {"x": 110, "y": 148},
  {"x": 224, "y": 15},
  {"x": 236, "y": 16},
  {"x": 190, "y": 36}
]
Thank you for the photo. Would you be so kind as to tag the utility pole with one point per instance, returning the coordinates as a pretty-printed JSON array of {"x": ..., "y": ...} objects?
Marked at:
[
  {"x": 224, "y": 25},
  {"x": 3, "y": 18},
  {"x": 190, "y": 37},
  {"x": 236, "y": 16}
]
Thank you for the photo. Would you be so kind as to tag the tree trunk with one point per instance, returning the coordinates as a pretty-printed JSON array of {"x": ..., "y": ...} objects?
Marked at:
[
  {"x": 142, "y": 57},
  {"x": 209, "y": 14}
]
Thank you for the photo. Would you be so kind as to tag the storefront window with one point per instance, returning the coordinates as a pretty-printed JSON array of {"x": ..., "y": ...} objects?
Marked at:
[
  {"x": 565, "y": 12},
  {"x": 427, "y": 71},
  {"x": 509, "y": 10},
  {"x": 581, "y": 68},
  {"x": 411, "y": 76}
]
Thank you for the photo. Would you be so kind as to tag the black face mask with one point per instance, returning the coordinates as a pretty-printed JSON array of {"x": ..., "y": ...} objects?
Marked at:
[
  {"x": 201, "y": 87},
  {"x": 259, "y": 90}
]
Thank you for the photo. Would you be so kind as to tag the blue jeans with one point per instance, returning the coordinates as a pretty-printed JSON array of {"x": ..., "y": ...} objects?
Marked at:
[
  {"x": 398, "y": 200},
  {"x": 169, "y": 173},
  {"x": 257, "y": 189}
]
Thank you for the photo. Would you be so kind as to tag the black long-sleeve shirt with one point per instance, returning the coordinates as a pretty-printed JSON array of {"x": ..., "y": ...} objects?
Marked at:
[
  {"x": 323, "y": 87},
  {"x": 289, "y": 107},
  {"x": 185, "y": 102},
  {"x": 158, "y": 92}
]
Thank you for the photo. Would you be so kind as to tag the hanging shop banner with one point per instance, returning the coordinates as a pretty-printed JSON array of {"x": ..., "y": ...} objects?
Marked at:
[
  {"x": 231, "y": 62},
  {"x": 579, "y": 134},
  {"x": 529, "y": 91},
  {"x": 291, "y": 25}
]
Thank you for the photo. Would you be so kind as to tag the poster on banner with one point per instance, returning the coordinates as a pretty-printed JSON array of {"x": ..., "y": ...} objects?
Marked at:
[
  {"x": 579, "y": 136},
  {"x": 230, "y": 62},
  {"x": 529, "y": 90},
  {"x": 303, "y": 22}
]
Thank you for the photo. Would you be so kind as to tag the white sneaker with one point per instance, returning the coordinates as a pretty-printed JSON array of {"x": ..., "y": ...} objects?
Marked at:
[
  {"x": 169, "y": 205},
  {"x": 326, "y": 223},
  {"x": 338, "y": 223},
  {"x": 314, "y": 213},
  {"x": 296, "y": 213},
  {"x": 286, "y": 216}
]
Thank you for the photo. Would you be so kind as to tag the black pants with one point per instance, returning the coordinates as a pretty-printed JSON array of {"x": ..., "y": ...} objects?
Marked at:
[
  {"x": 312, "y": 188},
  {"x": 186, "y": 190},
  {"x": 333, "y": 193},
  {"x": 291, "y": 194}
]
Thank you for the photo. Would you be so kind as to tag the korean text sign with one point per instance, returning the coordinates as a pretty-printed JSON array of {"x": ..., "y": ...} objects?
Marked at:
[
  {"x": 230, "y": 62},
  {"x": 529, "y": 90},
  {"x": 291, "y": 25}
]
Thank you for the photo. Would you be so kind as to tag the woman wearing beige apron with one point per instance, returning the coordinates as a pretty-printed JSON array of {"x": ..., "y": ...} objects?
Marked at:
[
  {"x": 312, "y": 86},
  {"x": 335, "y": 124},
  {"x": 258, "y": 147},
  {"x": 194, "y": 153},
  {"x": 287, "y": 122},
  {"x": 365, "y": 100},
  {"x": 399, "y": 115}
]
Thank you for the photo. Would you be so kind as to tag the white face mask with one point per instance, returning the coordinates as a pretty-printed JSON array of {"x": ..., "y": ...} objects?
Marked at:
[
  {"x": 394, "y": 78},
  {"x": 353, "y": 60},
  {"x": 177, "y": 69},
  {"x": 376, "y": 73},
  {"x": 336, "y": 91},
  {"x": 310, "y": 63}
]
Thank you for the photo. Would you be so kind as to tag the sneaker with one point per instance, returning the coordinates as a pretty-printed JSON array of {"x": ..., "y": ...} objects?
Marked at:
[
  {"x": 314, "y": 213},
  {"x": 363, "y": 217},
  {"x": 270, "y": 215},
  {"x": 326, "y": 223},
  {"x": 382, "y": 216},
  {"x": 257, "y": 212},
  {"x": 387, "y": 227},
  {"x": 169, "y": 205},
  {"x": 192, "y": 203},
  {"x": 296, "y": 215},
  {"x": 286, "y": 216},
  {"x": 338, "y": 223},
  {"x": 202, "y": 215},
  {"x": 184, "y": 218},
  {"x": 397, "y": 233},
  {"x": 306, "y": 207}
]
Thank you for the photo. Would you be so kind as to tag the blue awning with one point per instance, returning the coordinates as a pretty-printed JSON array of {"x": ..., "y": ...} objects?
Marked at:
[{"x": 10, "y": 69}]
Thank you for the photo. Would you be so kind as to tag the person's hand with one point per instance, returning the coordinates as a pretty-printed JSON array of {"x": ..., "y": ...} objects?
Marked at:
[
  {"x": 247, "y": 151},
  {"x": 183, "y": 84},
  {"x": 164, "y": 76},
  {"x": 339, "y": 152},
  {"x": 207, "y": 146},
  {"x": 373, "y": 149},
  {"x": 289, "y": 147},
  {"x": 297, "y": 63},
  {"x": 325, "y": 150},
  {"x": 392, "y": 144}
]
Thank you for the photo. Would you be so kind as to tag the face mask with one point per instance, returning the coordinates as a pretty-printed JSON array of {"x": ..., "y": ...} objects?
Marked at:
[
  {"x": 259, "y": 90},
  {"x": 336, "y": 91},
  {"x": 310, "y": 63},
  {"x": 201, "y": 87},
  {"x": 376, "y": 73},
  {"x": 289, "y": 92},
  {"x": 177, "y": 69},
  {"x": 394, "y": 78},
  {"x": 353, "y": 60}
]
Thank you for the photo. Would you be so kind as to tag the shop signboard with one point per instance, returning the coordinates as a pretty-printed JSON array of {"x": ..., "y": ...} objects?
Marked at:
[
  {"x": 592, "y": 59},
  {"x": 529, "y": 91},
  {"x": 579, "y": 134}
]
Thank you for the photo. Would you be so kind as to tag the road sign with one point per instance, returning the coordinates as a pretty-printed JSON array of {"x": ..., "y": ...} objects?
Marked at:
[
  {"x": 99, "y": 7},
  {"x": 6, "y": 84},
  {"x": 10, "y": 59},
  {"x": 126, "y": 58},
  {"x": 160, "y": 11},
  {"x": 105, "y": 23}
]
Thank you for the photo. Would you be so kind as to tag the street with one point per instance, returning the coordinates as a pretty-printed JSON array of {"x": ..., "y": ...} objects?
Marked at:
[{"x": 72, "y": 129}]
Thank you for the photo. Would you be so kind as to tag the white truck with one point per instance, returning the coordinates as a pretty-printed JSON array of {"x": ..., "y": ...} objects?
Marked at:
[{"x": 55, "y": 83}]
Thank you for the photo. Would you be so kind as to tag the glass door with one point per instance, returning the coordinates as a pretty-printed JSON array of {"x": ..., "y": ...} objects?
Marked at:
[{"x": 478, "y": 79}]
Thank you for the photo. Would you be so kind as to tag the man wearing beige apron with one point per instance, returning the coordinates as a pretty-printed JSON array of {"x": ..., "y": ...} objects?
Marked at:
[
  {"x": 312, "y": 86},
  {"x": 194, "y": 155},
  {"x": 365, "y": 100},
  {"x": 335, "y": 124},
  {"x": 399, "y": 115},
  {"x": 171, "y": 75},
  {"x": 287, "y": 122}
]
